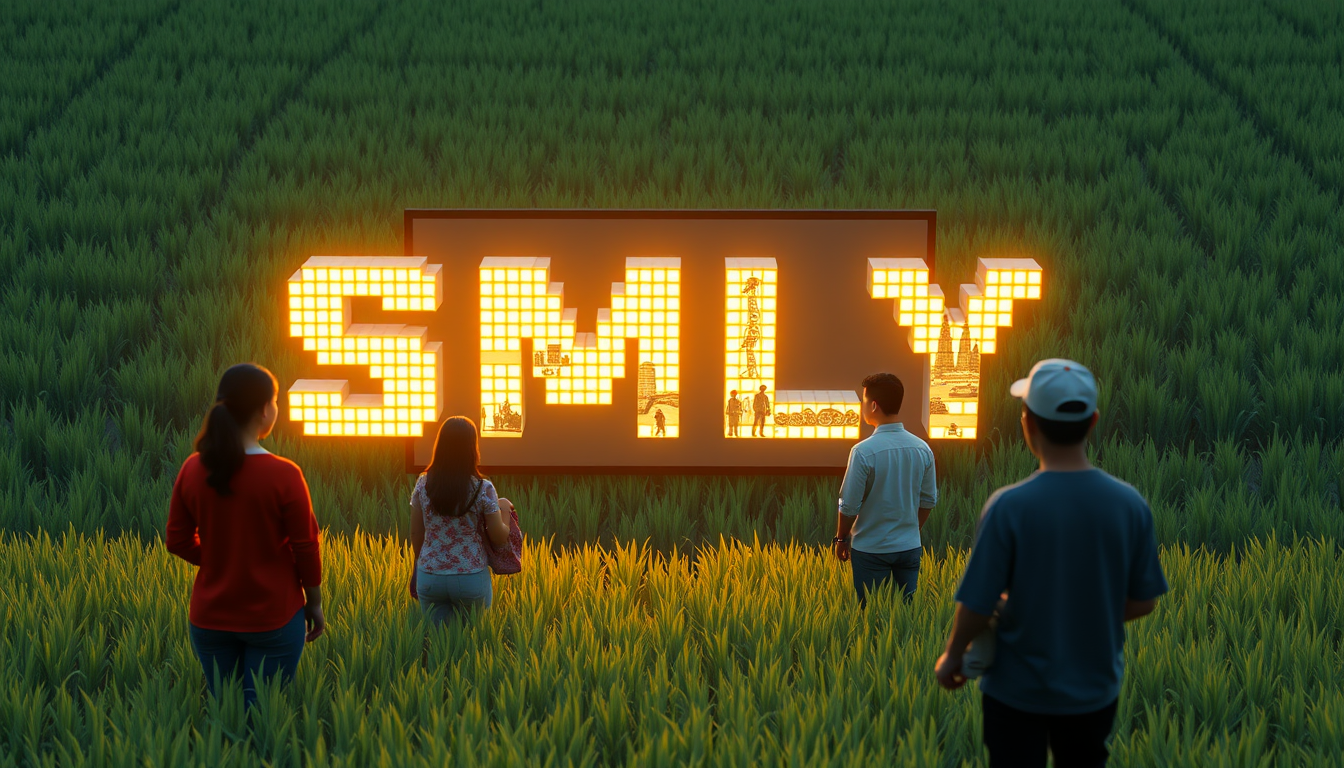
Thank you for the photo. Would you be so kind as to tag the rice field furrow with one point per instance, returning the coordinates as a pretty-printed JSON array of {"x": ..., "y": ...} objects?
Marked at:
[
  {"x": 31, "y": 117},
  {"x": 1174, "y": 37}
]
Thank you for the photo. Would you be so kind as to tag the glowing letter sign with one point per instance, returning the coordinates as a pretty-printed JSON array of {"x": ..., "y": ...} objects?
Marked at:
[
  {"x": 519, "y": 302},
  {"x": 664, "y": 348},
  {"x": 954, "y": 338},
  {"x": 408, "y": 364},
  {"x": 753, "y": 408}
]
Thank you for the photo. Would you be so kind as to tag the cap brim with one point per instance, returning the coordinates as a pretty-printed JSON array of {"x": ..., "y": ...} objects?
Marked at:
[{"x": 1019, "y": 388}]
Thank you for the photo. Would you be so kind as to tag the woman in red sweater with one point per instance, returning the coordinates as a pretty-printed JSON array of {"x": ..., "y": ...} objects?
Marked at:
[{"x": 244, "y": 517}]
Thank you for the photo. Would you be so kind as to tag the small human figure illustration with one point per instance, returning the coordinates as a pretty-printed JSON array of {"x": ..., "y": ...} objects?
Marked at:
[
  {"x": 734, "y": 413},
  {"x": 661, "y": 421},
  {"x": 760, "y": 407}
]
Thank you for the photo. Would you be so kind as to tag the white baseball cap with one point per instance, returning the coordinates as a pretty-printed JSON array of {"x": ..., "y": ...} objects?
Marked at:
[{"x": 1059, "y": 390}]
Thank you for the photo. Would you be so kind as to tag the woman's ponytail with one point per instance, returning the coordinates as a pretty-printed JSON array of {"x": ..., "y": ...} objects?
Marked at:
[
  {"x": 220, "y": 445},
  {"x": 244, "y": 390}
]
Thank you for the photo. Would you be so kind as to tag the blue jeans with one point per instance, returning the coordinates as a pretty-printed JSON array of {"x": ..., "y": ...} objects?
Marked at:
[
  {"x": 230, "y": 655},
  {"x": 445, "y": 595},
  {"x": 873, "y": 570}
]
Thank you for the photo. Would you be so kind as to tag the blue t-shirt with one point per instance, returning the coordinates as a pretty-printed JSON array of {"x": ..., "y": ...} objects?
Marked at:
[{"x": 1069, "y": 548}]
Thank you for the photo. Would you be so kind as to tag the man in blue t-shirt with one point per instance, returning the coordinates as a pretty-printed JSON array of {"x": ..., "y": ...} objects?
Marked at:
[{"x": 1074, "y": 550}]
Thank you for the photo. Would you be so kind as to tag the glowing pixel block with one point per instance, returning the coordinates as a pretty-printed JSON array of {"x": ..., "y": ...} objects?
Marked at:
[
  {"x": 813, "y": 414},
  {"x": 954, "y": 338},
  {"x": 753, "y": 408},
  {"x": 519, "y": 302},
  {"x": 409, "y": 366}
]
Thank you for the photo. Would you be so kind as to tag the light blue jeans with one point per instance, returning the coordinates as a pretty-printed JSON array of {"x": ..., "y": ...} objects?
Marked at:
[{"x": 446, "y": 595}]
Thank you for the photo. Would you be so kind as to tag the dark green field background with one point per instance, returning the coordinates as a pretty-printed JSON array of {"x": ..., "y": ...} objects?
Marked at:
[
  {"x": 164, "y": 166},
  {"x": 1176, "y": 165}
]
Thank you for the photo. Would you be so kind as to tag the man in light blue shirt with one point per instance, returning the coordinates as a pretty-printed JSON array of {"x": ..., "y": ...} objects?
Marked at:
[
  {"x": 1075, "y": 552},
  {"x": 888, "y": 492}
]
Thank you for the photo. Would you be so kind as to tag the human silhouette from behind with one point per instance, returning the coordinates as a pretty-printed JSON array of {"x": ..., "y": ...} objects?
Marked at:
[{"x": 1074, "y": 550}]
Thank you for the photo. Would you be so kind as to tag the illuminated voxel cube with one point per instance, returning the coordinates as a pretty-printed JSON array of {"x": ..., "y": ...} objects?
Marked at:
[
  {"x": 519, "y": 301},
  {"x": 750, "y": 356},
  {"x": 818, "y": 414},
  {"x": 954, "y": 338},
  {"x": 409, "y": 366}
]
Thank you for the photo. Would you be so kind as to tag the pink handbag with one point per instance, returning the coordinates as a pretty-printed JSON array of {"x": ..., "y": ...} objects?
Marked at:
[{"x": 507, "y": 558}]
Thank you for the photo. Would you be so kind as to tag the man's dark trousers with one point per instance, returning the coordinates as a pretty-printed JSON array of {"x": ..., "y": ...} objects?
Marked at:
[
  {"x": 873, "y": 570},
  {"x": 1018, "y": 739}
]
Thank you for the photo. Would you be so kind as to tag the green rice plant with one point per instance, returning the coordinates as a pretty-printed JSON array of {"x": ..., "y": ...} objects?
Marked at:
[
  {"x": 1292, "y": 396},
  {"x": 53, "y": 52},
  {"x": 1152, "y": 411},
  {"x": 1228, "y": 464},
  {"x": 1332, "y": 404},
  {"x": 1227, "y": 406},
  {"x": 799, "y": 519}
]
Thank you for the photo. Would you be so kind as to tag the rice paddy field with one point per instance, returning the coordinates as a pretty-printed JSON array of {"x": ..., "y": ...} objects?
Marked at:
[{"x": 1176, "y": 165}]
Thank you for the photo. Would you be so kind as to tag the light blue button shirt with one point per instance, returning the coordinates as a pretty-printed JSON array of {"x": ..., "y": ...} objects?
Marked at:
[{"x": 889, "y": 478}]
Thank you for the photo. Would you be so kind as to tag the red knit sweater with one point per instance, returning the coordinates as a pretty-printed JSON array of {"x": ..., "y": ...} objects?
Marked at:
[{"x": 256, "y": 549}]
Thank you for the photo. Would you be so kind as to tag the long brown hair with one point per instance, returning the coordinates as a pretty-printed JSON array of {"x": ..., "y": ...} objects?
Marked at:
[
  {"x": 244, "y": 389},
  {"x": 452, "y": 467}
]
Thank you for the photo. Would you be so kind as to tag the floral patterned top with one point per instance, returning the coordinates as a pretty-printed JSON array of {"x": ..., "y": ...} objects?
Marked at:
[{"x": 453, "y": 544}]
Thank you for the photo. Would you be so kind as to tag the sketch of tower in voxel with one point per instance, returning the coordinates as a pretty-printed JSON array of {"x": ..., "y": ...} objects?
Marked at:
[
  {"x": 974, "y": 365},
  {"x": 552, "y": 354},
  {"x": 943, "y": 362},
  {"x": 964, "y": 348},
  {"x": 648, "y": 381}
]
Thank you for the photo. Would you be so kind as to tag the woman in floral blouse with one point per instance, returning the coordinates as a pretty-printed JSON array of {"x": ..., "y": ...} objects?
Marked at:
[{"x": 448, "y": 503}]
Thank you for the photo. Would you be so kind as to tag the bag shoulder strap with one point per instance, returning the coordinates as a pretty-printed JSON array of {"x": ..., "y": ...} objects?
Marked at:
[{"x": 480, "y": 484}]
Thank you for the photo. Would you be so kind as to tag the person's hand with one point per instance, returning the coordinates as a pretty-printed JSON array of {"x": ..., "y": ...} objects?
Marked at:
[
  {"x": 506, "y": 507},
  {"x": 948, "y": 672},
  {"x": 841, "y": 550},
  {"x": 317, "y": 623},
  {"x": 415, "y": 594}
]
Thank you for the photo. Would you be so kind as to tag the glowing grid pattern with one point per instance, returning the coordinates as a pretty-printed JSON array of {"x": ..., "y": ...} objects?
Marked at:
[
  {"x": 817, "y": 414},
  {"x": 411, "y": 368},
  {"x": 968, "y": 331},
  {"x": 519, "y": 301},
  {"x": 751, "y": 303}
]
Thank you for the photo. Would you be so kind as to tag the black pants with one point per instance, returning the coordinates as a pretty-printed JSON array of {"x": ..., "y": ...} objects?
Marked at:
[{"x": 1018, "y": 739}]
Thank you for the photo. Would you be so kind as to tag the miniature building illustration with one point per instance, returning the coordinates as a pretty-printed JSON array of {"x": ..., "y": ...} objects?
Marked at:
[
  {"x": 830, "y": 413},
  {"x": 954, "y": 338},
  {"x": 409, "y": 366},
  {"x": 753, "y": 408},
  {"x": 519, "y": 302}
]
